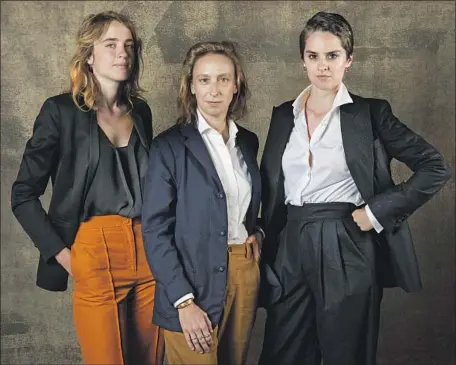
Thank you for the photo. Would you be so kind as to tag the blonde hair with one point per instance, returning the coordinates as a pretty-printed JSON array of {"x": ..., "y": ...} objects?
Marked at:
[
  {"x": 85, "y": 88},
  {"x": 187, "y": 101}
]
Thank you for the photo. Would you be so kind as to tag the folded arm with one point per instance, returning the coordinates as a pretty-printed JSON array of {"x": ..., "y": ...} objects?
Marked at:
[{"x": 430, "y": 172}]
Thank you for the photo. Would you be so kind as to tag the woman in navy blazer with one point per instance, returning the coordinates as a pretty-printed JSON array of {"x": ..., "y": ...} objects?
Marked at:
[{"x": 201, "y": 202}]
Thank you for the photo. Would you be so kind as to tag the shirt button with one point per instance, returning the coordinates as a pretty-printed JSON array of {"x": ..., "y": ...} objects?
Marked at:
[
  {"x": 222, "y": 233},
  {"x": 221, "y": 268}
]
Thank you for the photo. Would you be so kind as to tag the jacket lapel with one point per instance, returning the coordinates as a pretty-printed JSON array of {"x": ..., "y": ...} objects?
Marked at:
[
  {"x": 195, "y": 144},
  {"x": 357, "y": 140},
  {"x": 249, "y": 156},
  {"x": 94, "y": 148},
  {"x": 250, "y": 159},
  {"x": 271, "y": 163},
  {"x": 139, "y": 126}
]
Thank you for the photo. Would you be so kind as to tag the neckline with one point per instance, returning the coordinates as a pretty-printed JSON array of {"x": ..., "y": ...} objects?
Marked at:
[{"x": 112, "y": 144}]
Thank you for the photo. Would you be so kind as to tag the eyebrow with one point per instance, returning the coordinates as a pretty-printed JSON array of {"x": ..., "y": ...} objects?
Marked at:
[
  {"x": 207, "y": 75},
  {"x": 336, "y": 51},
  {"x": 116, "y": 40}
]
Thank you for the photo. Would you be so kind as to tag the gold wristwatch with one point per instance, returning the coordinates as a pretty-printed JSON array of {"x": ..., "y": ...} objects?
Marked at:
[{"x": 185, "y": 303}]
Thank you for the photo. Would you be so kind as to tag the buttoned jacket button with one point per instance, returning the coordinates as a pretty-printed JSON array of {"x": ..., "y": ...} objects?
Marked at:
[
  {"x": 220, "y": 195},
  {"x": 221, "y": 268},
  {"x": 222, "y": 233}
]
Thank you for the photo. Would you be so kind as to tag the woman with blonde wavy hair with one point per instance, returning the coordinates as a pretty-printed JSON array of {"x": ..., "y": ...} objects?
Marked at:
[{"x": 93, "y": 143}]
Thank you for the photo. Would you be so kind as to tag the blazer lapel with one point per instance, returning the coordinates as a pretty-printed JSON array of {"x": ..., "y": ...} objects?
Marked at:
[
  {"x": 250, "y": 159},
  {"x": 252, "y": 166},
  {"x": 357, "y": 140},
  {"x": 139, "y": 126},
  {"x": 195, "y": 144},
  {"x": 94, "y": 148},
  {"x": 278, "y": 137}
]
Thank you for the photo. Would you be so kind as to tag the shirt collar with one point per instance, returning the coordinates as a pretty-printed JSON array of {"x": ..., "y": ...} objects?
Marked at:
[
  {"x": 204, "y": 127},
  {"x": 342, "y": 97}
]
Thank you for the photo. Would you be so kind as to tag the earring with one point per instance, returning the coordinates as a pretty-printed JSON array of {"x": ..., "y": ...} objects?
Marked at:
[
  {"x": 305, "y": 68},
  {"x": 346, "y": 69}
]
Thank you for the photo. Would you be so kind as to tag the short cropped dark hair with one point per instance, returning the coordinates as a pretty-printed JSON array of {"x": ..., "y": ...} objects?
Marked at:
[{"x": 328, "y": 22}]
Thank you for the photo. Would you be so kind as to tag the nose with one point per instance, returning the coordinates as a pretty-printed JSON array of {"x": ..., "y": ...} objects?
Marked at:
[
  {"x": 214, "y": 90},
  {"x": 322, "y": 65},
  {"x": 122, "y": 52}
]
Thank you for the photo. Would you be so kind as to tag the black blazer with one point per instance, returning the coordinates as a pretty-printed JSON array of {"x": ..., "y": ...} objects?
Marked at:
[
  {"x": 185, "y": 223},
  {"x": 371, "y": 136},
  {"x": 65, "y": 147}
]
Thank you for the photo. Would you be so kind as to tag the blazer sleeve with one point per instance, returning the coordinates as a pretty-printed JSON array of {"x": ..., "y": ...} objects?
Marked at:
[
  {"x": 39, "y": 159},
  {"x": 430, "y": 172},
  {"x": 158, "y": 222}
]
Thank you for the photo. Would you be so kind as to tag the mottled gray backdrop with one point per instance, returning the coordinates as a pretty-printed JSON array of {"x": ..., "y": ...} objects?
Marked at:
[{"x": 405, "y": 52}]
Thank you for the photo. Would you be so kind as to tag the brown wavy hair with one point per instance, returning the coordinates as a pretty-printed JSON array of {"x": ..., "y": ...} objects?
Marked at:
[
  {"x": 85, "y": 88},
  {"x": 187, "y": 101}
]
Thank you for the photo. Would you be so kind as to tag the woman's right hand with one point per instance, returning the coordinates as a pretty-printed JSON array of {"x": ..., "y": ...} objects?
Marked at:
[
  {"x": 197, "y": 328},
  {"x": 64, "y": 259}
]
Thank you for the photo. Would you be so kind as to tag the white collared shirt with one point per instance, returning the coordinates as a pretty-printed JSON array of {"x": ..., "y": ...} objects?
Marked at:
[
  {"x": 328, "y": 178},
  {"x": 233, "y": 173},
  {"x": 234, "y": 176}
]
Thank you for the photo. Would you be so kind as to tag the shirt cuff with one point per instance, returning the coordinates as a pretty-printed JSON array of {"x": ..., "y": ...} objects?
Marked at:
[
  {"x": 377, "y": 226},
  {"x": 259, "y": 229},
  {"x": 183, "y": 299}
]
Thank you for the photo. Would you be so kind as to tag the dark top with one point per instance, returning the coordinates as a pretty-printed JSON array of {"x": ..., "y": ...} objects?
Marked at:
[
  {"x": 63, "y": 148},
  {"x": 117, "y": 184}
]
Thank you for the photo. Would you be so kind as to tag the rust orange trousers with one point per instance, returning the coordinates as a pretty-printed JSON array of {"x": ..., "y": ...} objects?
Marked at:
[{"x": 113, "y": 296}]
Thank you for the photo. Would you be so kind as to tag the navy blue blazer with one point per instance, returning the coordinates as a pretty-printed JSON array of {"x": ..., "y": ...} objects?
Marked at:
[{"x": 185, "y": 223}]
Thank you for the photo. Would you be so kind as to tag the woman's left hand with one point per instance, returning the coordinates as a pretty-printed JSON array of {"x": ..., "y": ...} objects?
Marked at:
[
  {"x": 256, "y": 240},
  {"x": 362, "y": 220}
]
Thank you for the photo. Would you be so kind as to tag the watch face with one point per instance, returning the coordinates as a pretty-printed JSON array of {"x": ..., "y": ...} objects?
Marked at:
[{"x": 185, "y": 303}]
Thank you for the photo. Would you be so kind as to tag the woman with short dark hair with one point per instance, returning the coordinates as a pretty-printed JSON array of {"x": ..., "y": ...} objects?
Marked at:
[{"x": 335, "y": 223}]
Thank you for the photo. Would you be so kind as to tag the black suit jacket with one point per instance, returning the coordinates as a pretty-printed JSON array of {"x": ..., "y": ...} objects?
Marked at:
[
  {"x": 64, "y": 147},
  {"x": 371, "y": 136},
  {"x": 185, "y": 222}
]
